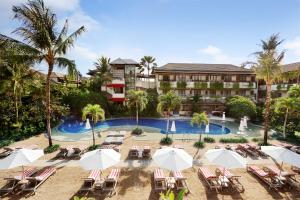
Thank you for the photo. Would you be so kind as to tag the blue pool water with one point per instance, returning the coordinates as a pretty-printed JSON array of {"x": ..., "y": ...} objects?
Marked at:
[{"x": 73, "y": 126}]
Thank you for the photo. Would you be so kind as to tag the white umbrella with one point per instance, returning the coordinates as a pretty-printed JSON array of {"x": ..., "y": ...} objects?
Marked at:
[
  {"x": 99, "y": 159},
  {"x": 225, "y": 158},
  {"x": 282, "y": 155},
  {"x": 172, "y": 159},
  {"x": 20, "y": 157}
]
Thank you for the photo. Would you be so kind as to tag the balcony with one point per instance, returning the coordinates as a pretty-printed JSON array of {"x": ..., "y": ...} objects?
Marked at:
[
  {"x": 145, "y": 84},
  {"x": 116, "y": 83},
  {"x": 118, "y": 97}
]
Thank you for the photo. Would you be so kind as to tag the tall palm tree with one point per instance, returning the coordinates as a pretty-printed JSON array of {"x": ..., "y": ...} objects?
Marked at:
[
  {"x": 102, "y": 74},
  {"x": 199, "y": 119},
  {"x": 167, "y": 103},
  {"x": 286, "y": 105},
  {"x": 137, "y": 99},
  {"x": 96, "y": 113},
  {"x": 268, "y": 68},
  {"x": 147, "y": 62},
  {"x": 42, "y": 42}
]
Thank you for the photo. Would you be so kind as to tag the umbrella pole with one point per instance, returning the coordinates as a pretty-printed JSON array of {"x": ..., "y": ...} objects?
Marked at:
[
  {"x": 23, "y": 175},
  {"x": 280, "y": 169}
]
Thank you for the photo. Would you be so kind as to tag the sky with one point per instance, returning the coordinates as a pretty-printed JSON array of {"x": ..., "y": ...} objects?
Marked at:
[{"x": 199, "y": 31}]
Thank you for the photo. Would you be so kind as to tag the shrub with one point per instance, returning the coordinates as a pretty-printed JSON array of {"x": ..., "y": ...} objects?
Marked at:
[
  {"x": 209, "y": 140},
  {"x": 93, "y": 147},
  {"x": 199, "y": 144},
  {"x": 236, "y": 86},
  {"x": 137, "y": 131},
  {"x": 200, "y": 85},
  {"x": 234, "y": 140},
  {"x": 165, "y": 85},
  {"x": 239, "y": 106},
  {"x": 250, "y": 85},
  {"x": 5, "y": 143},
  {"x": 51, "y": 149},
  {"x": 216, "y": 86},
  {"x": 166, "y": 140},
  {"x": 181, "y": 84},
  {"x": 257, "y": 139}
]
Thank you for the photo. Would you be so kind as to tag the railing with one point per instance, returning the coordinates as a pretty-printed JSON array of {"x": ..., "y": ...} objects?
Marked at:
[{"x": 118, "y": 95}]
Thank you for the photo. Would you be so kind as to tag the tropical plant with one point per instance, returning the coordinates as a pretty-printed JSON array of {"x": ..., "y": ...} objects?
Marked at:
[
  {"x": 137, "y": 99},
  {"x": 96, "y": 113},
  {"x": 294, "y": 92},
  {"x": 239, "y": 106},
  {"x": 199, "y": 119},
  {"x": 181, "y": 84},
  {"x": 171, "y": 196},
  {"x": 167, "y": 103},
  {"x": 102, "y": 74},
  {"x": 43, "y": 42},
  {"x": 268, "y": 68},
  {"x": 147, "y": 62},
  {"x": 137, "y": 131}
]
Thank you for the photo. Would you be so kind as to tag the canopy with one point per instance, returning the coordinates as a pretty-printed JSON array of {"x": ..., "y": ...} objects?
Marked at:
[
  {"x": 99, "y": 159},
  {"x": 282, "y": 155},
  {"x": 225, "y": 158},
  {"x": 20, "y": 157},
  {"x": 173, "y": 127},
  {"x": 172, "y": 159}
]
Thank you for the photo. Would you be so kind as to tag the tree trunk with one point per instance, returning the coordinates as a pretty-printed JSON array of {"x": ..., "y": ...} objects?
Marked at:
[
  {"x": 200, "y": 137},
  {"x": 16, "y": 109},
  {"x": 168, "y": 121},
  {"x": 94, "y": 142},
  {"x": 148, "y": 76},
  {"x": 137, "y": 115},
  {"x": 267, "y": 112},
  {"x": 285, "y": 120},
  {"x": 48, "y": 105}
]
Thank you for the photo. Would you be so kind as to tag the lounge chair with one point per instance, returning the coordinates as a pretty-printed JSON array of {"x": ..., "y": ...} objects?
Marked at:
[
  {"x": 268, "y": 177},
  {"x": 256, "y": 149},
  {"x": 5, "y": 153},
  {"x": 90, "y": 180},
  {"x": 64, "y": 151},
  {"x": 118, "y": 140},
  {"x": 159, "y": 180},
  {"x": 180, "y": 180},
  {"x": 234, "y": 179},
  {"x": 38, "y": 179},
  {"x": 108, "y": 140},
  {"x": 239, "y": 150},
  {"x": 295, "y": 169},
  {"x": 111, "y": 181},
  {"x": 210, "y": 178},
  {"x": 12, "y": 182},
  {"x": 284, "y": 176},
  {"x": 115, "y": 134},
  {"x": 248, "y": 150},
  {"x": 110, "y": 146},
  {"x": 133, "y": 152},
  {"x": 146, "y": 152},
  {"x": 78, "y": 151}
]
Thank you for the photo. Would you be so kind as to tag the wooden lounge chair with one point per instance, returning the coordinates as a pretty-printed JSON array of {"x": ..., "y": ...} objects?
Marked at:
[
  {"x": 110, "y": 146},
  {"x": 284, "y": 176},
  {"x": 78, "y": 151},
  {"x": 159, "y": 180},
  {"x": 295, "y": 169},
  {"x": 268, "y": 177},
  {"x": 64, "y": 151},
  {"x": 234, "y": 179},
  {"x": 256, "y": 149},
  {"x": 181, "y": 182},
  {"x": 111, "y": 181},
  {"x": 134, "y": 152},
  {"x": 11, "y": 183},
  {"x": 38, "y": 179},
  {"x": 90, "y": 181},
  {"x": 248, "y": 150},
  {"x": 210, "y": 178},
  {"x": 146, "y": 152}
]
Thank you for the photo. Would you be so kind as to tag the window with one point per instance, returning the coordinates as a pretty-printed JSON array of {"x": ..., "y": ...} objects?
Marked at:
[
  {"x": 181, "y": 93},
  {"x": 215, "y": 78},
  {"x": 180, "y": 77},
  {"x": 227, "y": 78},
  {"x": 166, "y": 78}
]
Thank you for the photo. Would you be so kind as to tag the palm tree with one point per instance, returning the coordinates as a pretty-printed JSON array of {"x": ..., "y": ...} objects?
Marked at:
[
  {"x": 287, "y": 105},
  {"x": 147, "y": 62},
  {"x": 198, "y": 119},
  {"x": 137, "y": 99},
  {"x": 268, "y": 68},
  {"x": 96, "y": 113},
  {"x": 43, "y": 42},
  {"x": 102, "y": 74},
  {"x": 167, "y": 103}
]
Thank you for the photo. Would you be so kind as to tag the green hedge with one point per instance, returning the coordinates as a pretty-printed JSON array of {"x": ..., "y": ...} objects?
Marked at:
[
  {"x": 236, "y": 86},
  {"x": 200, "y": 85},
  {"x": 137, "y": 131},
  {"x": 166, "y": 141},
  {"x": 209, "y": 140},
  {"x": 199, "y": 144},
  {"x": 234, "y": 140},
  {"x": 250, "y": 85},
  {"x": 165, "y": 85},
  {"x": 216, "y": 85},
  {"x": 51, "y": 149},
  {"x": 181, "y": 84}
]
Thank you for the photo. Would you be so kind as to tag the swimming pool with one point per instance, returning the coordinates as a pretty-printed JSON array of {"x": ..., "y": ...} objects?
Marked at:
[{"x": 75, "y": 126}]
